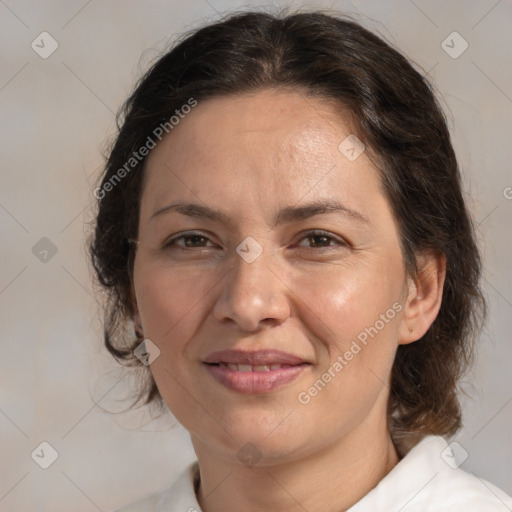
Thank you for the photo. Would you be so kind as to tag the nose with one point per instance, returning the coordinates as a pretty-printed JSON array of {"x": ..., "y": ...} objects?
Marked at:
[{"x": 252, "y": 295}]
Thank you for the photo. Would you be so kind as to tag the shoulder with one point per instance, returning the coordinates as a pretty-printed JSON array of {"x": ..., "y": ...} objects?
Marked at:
[
  {"x": 470, "y": 493},
  {"x": 180, "y": 496},
  {"x": 427, "y": 479},
  {"x": 456, "y": 489}
]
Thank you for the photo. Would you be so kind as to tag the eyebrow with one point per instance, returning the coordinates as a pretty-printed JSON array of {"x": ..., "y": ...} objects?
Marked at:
[{"x": 286, "y": 215}]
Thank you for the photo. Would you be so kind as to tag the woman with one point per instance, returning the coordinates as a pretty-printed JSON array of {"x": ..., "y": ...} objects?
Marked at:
[{"x": 281, "y": 221}]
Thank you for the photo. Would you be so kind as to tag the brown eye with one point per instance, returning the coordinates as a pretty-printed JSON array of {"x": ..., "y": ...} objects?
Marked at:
[
  {"x": 191, "y": 241},
  {"x": 195, "y": 240},
  {"x": 321, "y": 239}
]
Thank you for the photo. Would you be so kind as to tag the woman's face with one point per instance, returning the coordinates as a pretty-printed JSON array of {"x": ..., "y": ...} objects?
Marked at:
[{"x": 322, "y": 286}]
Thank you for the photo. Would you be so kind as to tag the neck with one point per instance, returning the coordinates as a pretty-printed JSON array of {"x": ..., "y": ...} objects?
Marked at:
[{"x": 330, "y": 480}]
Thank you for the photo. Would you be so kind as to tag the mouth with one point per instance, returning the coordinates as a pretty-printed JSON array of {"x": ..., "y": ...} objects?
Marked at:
[
  {"x": 255, "y": 372},
  {"x": 253, "y": 368},
  {"x": 254, "y": 358}
]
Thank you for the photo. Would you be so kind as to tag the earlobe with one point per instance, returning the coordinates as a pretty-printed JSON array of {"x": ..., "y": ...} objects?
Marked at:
[
  {"x": 425, "y": 296},
  {"x": 138, "y": 324},
  {"x": 139, "y": 328}
]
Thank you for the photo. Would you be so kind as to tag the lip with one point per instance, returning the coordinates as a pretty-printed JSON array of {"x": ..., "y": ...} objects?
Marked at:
[
  {"x": 254, "y": 358},
  {"x": 255, "y": 382}
]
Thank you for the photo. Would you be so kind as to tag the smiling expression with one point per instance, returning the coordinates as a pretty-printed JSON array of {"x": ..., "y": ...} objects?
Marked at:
[{"x": 263, "y": 173}]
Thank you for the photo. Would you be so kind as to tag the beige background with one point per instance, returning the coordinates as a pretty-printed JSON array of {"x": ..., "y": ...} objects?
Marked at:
[{"x": 56, "y": 116}]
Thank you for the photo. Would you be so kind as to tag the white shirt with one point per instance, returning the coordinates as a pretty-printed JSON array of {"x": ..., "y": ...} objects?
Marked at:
[{"x": 421, "y": 482}]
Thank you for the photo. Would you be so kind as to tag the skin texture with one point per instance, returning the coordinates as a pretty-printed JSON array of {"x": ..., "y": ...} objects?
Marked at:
[{"x": 250, "y": 156}]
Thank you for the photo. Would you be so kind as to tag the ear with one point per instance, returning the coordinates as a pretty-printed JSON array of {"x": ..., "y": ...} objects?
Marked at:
[{"x": 425, "y": 293}]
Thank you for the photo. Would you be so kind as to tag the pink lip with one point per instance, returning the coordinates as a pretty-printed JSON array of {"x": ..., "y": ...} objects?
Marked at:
[
  {"x": 254, "y": 358},
  {"x": 255, "y": 381}
]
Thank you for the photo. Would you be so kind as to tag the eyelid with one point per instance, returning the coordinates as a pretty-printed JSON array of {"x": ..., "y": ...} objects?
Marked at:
[
  {"x": 320, "y": 232},
  {"x": 302, "y": 236},
  {"x": 168, "y": 242}
]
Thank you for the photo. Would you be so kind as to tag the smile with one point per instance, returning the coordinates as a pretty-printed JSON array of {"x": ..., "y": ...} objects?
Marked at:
[
  {"x": 255, "y": 371},
  {"x": 256, "y": 368}
]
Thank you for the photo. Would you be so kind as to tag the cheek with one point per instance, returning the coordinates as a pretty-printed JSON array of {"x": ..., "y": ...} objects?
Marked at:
[
  {"x": 170, "y": 301},
  {"x": 353, "y": 320},
  {"x": 346, "y": 301},
  {"x": 172, "y": 304}
]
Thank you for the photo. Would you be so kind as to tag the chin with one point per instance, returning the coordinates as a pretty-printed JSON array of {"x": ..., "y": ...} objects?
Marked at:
[{"x": 266, "y": 434}]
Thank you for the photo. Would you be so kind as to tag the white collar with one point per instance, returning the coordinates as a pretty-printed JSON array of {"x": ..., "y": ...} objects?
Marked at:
[
  {"x": 428, "y": 479},
  {"x": 421, "y": 482}
]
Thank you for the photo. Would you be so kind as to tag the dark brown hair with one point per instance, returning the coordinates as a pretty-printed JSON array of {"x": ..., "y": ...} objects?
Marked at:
[{"x": 397, "y": 117}]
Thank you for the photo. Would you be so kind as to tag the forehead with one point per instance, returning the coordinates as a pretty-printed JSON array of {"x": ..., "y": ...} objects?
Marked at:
[
  {"x": 228, "y": 125},
  {"x": 262, "y": 146}
]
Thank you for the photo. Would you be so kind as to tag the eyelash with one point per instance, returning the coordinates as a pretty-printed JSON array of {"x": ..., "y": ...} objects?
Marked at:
[{"x": 171, "y": 244}]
